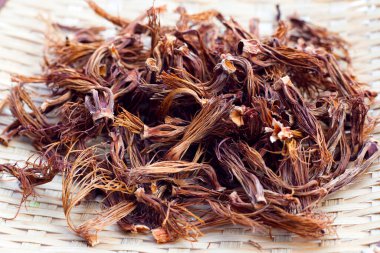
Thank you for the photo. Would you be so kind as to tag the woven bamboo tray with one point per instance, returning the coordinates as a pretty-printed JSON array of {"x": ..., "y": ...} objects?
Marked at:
[{"x": 41, "y": 225}]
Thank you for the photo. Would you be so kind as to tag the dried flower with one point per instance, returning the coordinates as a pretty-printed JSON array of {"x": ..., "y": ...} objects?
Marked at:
[
  {"x": 182, "y": 134},
  {"x": 279, "y": 132}
]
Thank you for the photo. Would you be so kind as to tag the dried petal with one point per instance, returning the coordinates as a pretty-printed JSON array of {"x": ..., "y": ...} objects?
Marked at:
[
  {"x": 160, "y": 235},
  {"x": 236, "y": 115}
]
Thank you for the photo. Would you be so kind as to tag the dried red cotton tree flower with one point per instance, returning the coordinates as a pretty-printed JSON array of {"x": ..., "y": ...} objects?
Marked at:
[{"x": 209, "y": 124}]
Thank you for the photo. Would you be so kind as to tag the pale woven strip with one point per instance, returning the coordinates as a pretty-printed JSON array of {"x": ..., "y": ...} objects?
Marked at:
[{"x": 41, "y": 224}]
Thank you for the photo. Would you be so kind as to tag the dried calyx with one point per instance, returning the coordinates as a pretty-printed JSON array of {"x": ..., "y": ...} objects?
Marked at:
[{"x": 210, "y": 125}]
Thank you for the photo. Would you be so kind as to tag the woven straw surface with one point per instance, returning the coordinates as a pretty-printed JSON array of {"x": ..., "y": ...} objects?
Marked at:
[{"x": 41, "y": 225}]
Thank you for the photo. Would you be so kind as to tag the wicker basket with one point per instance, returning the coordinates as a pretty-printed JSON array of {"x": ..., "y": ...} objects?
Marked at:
[{"x": 41, "y": 225}]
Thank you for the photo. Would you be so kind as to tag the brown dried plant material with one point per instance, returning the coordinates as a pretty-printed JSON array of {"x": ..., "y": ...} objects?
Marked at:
[
  {"x": 101, "y": 12},
  {"x": 209, "y": 125},
  {"x": 160, "y": 235}
]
